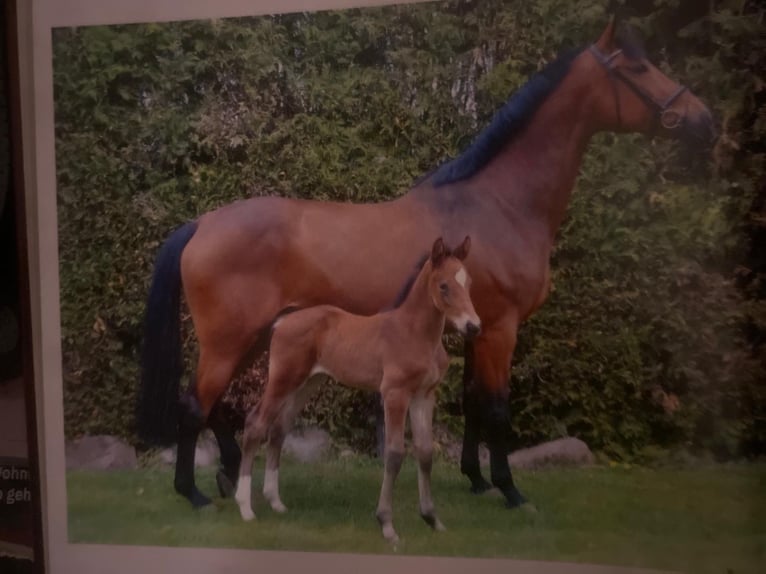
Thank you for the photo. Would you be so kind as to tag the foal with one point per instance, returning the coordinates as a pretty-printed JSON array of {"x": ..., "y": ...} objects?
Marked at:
[{"x": 397, "y": 352}]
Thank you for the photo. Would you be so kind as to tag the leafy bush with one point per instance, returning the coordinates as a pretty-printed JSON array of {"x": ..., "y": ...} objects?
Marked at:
[{"x": 653, "y": 337}]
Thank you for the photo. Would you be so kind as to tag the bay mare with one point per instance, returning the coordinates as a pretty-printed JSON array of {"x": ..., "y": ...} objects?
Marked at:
[
  {"x": 241, "y": 265},
  {"x": 398, "y": 353}
]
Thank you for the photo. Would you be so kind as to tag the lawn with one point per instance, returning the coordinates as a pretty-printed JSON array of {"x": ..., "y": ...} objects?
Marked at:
[{"x": 702, "y": 520}]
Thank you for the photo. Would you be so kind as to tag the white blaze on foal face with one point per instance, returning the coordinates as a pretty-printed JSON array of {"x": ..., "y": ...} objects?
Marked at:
[
  {"x": 457, "y": 298},
  {"x": 461, "y": 277}
]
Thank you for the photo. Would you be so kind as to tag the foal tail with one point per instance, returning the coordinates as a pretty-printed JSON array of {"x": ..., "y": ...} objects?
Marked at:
[{"x": 161, "y": 359}]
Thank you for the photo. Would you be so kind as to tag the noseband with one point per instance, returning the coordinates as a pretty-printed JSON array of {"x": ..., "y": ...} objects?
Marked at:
[{"x": 666, "y": 117}]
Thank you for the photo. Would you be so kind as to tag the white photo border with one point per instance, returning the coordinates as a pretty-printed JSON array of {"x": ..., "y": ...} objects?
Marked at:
[{"x": 35, "y": 21}]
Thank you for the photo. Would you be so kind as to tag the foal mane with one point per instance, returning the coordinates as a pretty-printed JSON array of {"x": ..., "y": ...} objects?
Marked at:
[{"x": 404, "y": 291}]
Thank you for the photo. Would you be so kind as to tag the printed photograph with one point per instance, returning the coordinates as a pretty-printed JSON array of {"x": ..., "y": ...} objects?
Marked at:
[{"x": 455, "y": 278}]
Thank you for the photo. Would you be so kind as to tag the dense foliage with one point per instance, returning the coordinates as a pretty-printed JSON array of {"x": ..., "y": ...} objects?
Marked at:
[{"x": 653, "y": 337}]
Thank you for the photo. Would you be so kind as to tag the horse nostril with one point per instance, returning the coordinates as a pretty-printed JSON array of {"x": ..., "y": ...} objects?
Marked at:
[{"x": 472, "y": 330}]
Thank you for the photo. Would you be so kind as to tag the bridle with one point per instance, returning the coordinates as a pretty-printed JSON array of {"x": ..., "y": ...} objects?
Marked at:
[{"x": 666, "y": 117}]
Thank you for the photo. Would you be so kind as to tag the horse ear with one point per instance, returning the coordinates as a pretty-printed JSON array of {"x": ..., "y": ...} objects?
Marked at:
[
  {"x": 438, "y": 252},
  {"x": 462, "y": 251},
  {"x": 606, "y": 42}
]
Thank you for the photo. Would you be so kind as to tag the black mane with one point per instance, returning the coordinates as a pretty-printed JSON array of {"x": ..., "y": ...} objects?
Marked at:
[
  {"x": 407, "y": 287},
  {"x": 507, "y": 123}
]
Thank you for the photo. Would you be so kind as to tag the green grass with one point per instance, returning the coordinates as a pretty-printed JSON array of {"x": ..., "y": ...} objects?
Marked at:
[{"x": 710, "y": 519}]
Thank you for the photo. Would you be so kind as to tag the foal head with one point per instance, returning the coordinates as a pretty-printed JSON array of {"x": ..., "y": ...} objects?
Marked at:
[
  {"x": 449, "y": 285},
  {"x": 632, "y": 95}
]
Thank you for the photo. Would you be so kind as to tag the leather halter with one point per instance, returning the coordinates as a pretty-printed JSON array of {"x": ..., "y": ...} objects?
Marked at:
[{"x": 667, "y": 118}]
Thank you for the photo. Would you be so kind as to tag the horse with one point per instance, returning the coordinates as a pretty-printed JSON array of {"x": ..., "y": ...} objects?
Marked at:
[
  {"x": 244, "y": 263},
  {"x": 398, "y": 353}
]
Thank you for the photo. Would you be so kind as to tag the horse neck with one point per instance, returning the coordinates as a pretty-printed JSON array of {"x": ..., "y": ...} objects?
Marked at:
[
  {"x": 535, "y": 172},
  {"x": 418, "y": 310}
]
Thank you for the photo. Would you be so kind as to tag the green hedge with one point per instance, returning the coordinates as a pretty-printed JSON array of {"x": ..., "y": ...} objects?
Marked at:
[{"x": 653, "y": 336}]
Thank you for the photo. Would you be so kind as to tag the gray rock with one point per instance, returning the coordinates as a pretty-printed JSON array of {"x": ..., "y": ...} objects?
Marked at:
[
  {"x": 307, "y": 445},
  {"x": 101, "y": 452},
  {"x": 567, "y": 451},
  {"x": 206, "y": 454}
]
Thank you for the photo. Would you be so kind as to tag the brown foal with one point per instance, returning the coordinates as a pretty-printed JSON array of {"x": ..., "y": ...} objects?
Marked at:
[{"x": 397, "y": 352}]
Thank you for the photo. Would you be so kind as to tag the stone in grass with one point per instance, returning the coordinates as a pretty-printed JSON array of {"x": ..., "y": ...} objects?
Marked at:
[
  {"x": 100, "y": 452},
  {"x": 205, "y": 455},
  {"x": 563, "y": 452},
  {"x": 307, "y": 445}
]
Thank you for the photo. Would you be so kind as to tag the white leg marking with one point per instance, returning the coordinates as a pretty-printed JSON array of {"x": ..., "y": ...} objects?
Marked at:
[
  {"x": 271, "y": 490},
  {"x": 243, "y": 498},
  {"x": 461, "y": 277}
]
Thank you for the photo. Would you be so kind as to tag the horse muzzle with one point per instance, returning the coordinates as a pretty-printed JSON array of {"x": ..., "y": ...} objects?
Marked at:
[
  {"x": 472, "y": 330},
  {"x": 700, "y": 132}
]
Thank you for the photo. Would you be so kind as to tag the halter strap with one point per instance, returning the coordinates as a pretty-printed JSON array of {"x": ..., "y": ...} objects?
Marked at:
[{"x": 668, "y": 118}]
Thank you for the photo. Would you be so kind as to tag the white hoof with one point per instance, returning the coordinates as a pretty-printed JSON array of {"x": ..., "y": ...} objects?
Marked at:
[
  {"x": 277, "y": 506},
  {"x": 247, "y": 514},
  {"x": 390, "y": 534}
]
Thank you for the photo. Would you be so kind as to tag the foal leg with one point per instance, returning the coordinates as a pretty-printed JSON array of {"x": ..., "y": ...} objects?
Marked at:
[
  {"x": 277, "y": 435},
  {"x": 258, "y": 425},
  {"x": 252, "y": 437},
  {"x": 395, "y": 404},
  {"x": 421, "y": 423}
]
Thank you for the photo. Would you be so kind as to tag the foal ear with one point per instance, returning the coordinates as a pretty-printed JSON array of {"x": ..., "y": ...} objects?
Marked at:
[
  {"x": 462, "y": 250},
  {"x": 438, "y": 252},
  {"x": 606, "y": 42}
]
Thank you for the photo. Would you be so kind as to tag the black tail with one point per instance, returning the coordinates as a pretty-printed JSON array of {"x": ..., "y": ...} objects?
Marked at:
[{"x": 162, "y": 360}]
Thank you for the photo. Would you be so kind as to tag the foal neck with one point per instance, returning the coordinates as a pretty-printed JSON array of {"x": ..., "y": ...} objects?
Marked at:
[{"x": 418, "y": 311}]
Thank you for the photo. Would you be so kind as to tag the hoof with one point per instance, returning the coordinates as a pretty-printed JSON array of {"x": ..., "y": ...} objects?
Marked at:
[
  {"x": 225, "y": 485},
  {"x": 514, "y": 499},
  {"x": 480, "y": 486},
  {"x": 390, "y": 535},
  {"x": 529, "y": 508},
  {"x": 278, "y": 507},
  {"x": 433, "y": 522},
  {"x": 247, "y": 514},
  {"x": 199, "y": 500}
]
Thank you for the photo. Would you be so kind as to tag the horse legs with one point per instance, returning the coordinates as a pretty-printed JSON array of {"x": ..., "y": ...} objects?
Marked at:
[
  {"x": 190, "y": 424},
  {"x": 213, "y": 375},
  {"x": 226, "y": 477},
  {"x": 395, "y": 404},
  {"x": 277, "y": 434},
  {"x": 493, "y": 352},
  {"x": 421, "y": 421},
  {"x": 469, "y": 459}
]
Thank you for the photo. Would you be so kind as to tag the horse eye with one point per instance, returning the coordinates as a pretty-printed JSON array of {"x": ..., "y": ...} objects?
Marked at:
[{"x": 443, "y": 287}]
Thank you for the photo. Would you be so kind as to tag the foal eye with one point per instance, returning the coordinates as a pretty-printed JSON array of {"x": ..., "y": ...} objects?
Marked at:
[{"x": 443, "y": 287}]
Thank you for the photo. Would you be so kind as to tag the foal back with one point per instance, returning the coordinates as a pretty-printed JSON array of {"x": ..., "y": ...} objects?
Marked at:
[{"x": 327, "y": 340}]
